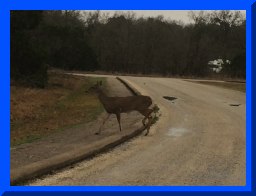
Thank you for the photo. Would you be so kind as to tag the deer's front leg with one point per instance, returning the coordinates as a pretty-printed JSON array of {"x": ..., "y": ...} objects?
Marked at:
[
  {"x": 149, "y": 123},
  {"x": 118, "y": 116},
  {"x": 149, "y": 120},
  {"x": 103, "y": 124}
]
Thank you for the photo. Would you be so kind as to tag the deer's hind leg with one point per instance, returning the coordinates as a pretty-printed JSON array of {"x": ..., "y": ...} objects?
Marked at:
[
  {"x": 146, "y": 113},
  {"x": 148, "y": 116}
]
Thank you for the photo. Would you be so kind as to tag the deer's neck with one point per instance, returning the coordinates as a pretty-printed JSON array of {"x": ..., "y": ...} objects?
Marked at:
[{"x": 102, "y": 97}]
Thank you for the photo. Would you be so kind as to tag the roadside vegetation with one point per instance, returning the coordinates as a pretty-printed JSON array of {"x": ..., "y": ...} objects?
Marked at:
[
  {"x": 35, "y": 113},
  {"x": 157, "y": 114}
]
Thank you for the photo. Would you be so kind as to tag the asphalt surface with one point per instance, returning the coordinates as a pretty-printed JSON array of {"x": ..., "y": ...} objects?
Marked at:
[{"x": 199, "y": 140}]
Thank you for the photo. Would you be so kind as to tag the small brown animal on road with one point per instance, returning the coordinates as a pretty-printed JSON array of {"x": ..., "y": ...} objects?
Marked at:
[{"x": 118, "y": 105}]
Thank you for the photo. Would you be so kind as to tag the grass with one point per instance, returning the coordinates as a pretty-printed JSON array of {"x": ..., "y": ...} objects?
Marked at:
[
  {"x": 156, "y": 110},
  {"x": 25, "y": 140},
  {"x": 36, "y": 113},
  {"x": 155, "y": 119},
  {"x": 97, "y": 110},
  {"x": 38, "y": 136},
  {"x": 227, "y": 85}
]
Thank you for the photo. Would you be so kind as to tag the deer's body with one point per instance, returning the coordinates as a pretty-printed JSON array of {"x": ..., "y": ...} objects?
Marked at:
[
  {"x": 112, "y": 104},
  {"x": 118, "y": 105}
]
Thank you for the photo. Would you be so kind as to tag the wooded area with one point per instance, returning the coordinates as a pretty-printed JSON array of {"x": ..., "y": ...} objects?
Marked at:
[{"x": 125, "y": 43}]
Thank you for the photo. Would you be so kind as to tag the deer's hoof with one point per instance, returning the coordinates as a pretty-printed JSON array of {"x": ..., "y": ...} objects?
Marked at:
[
  {"x": 146, "y": 134},
  {"x": 144, "y": 124},
  {"x": 97, "y": 133}
]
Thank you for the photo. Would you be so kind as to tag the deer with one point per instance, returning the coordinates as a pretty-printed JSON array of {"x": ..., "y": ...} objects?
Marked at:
[{"x": 118, "y": 105}]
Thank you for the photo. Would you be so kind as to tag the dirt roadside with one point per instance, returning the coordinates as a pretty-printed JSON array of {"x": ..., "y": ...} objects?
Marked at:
[{"x": 63, "y": 148}]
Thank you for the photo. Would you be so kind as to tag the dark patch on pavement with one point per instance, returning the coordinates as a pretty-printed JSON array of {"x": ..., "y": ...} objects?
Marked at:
[
  {"x": 169, "y": 98},
  {"x": 235, "y": 104}
]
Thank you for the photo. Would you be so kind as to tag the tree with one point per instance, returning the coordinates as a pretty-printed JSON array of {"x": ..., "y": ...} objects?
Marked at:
[
  {"x": 27, "y": 57},
  {"x": 65, "y": 39},
  {"x": 125, "y": 43}
]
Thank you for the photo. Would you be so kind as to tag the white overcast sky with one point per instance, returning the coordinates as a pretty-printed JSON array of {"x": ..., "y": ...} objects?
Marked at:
[{"x": 172, "y": 14}]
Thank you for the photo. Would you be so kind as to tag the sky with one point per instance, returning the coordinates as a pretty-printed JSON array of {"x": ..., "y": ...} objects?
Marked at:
[{"x": 172, "y": 14}]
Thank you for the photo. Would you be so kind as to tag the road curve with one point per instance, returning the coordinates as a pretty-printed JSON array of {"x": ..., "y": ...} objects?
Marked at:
[{"x": 199, "y": 140}]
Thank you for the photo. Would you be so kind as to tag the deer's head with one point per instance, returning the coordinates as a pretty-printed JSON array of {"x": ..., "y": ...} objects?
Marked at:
[{"x": 94, "y": 88}]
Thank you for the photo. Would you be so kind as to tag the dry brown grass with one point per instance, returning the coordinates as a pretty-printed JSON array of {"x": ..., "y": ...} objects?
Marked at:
[{"x": 42, "y": 111}]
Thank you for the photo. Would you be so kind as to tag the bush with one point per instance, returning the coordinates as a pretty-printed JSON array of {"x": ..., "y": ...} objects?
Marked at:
[
  {"x": 238, "y": 65},
  {"x": 237, "y": 68}
]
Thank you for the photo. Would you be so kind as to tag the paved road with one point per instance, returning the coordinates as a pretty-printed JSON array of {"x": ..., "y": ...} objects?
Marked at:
[{"x": 199, "y": 140}]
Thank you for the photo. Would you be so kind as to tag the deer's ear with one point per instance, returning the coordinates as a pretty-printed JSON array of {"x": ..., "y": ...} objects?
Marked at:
[{"x": 100, "y": 83}]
